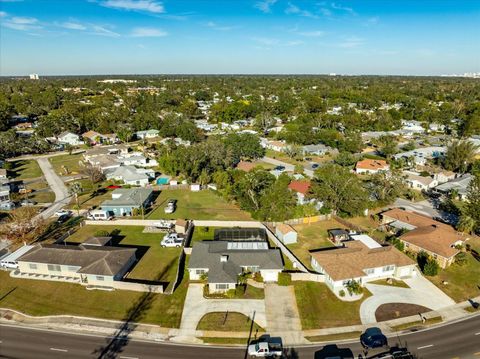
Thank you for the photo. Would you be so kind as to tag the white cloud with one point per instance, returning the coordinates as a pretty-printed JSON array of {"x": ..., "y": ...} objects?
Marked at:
[
  {"x": 268, "y": 42},
  {"x": 342, "y": 8},
  {"x": 215, "y": 26},
  {"x": 351, "y": 42},
  {"x": 148, "y": 32},
  {"x": 103, "y": 31},
  {"x": 316, "y": 33},
  {"x": 265, "y": 5},
  {"x": 295, "y": 10},
  {"x": 135, "y": 5},
  {"x": 24, "y": 20},
  {"x": 72, "y": 25},
  {"x": 3, "y": 14},
  {"x": 22, "y": 23}
]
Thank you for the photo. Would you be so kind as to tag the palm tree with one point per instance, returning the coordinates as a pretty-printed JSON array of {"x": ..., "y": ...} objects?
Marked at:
[
  {"x": 466, "y": 224},
  {"x": 75, "y": 189}
]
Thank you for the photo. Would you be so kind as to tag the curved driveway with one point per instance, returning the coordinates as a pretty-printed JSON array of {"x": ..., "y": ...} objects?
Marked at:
[{"x": 421, "y": 292}]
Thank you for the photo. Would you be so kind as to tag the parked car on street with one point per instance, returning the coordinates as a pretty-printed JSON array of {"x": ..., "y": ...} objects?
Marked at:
[
  {"x": 61, "y": 212},
  {"x": 266, "y": 348},
  {"x": 280, "y": 168},
  {"x": 99, "y": 215},
  {"x": 63, "y": 218},
  {"x": 163, "y": 224},
  {"x": 373, "y": 338}
]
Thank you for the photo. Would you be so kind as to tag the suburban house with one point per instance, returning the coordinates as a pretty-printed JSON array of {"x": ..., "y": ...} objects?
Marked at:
[
  {"x": 146, "y": 134},
  {"x": 87, "y": 263},
  {"x": 422, "y": 183},
  {"x": 286, "y": 233},
  {"x": 360, "y": 262},
  {"x": 338, "y": 236},
  {"x": 68, "y": 138},
  {"x": 371, "y": 166},
  {"x": 224, "y": 259},
  {"x": 93, "y": 137},
  {"x": 246, "y": 166},
  {"x": 425, "y": 234},
  {"x": 459, "y": 185},
  {"x": 130, "y": 175},
  {"x": 279, "y": 146},
  {"x": 301, "y": 188},
  {"x": 105, "y": 162},
  {"x": 137, "y": 159},
  {"x": 317, "y": 150},
  {"x": 420, "y": 156},
  {"x": 126, "y": 200},
  {"x": 444, "y": 176}
]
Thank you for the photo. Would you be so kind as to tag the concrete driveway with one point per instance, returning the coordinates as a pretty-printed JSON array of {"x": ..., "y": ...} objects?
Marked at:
[
  {"x": 56, "y": 184},
  {"x": 421, "y": 292},
  {"x": 196, "y": 306},
  {"x": 282, "y": 314}
]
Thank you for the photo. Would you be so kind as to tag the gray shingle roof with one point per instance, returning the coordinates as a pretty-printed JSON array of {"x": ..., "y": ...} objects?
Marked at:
[
  {"x": 207, "y": 254},
  {"x": 128, "y": 197},
  {"x": 97, "y": 260}
]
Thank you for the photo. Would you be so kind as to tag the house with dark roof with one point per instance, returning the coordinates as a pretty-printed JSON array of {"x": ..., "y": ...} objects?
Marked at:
[
  {"x": 90, "y": 263},
  {"x": 437, "y": 239},
  {"x": 362, "y": 261},
  {"x": 223, "y": 261},
  {"x": 125, "y": 201}
]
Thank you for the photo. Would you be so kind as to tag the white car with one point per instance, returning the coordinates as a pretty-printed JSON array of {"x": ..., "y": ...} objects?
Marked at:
[
  {"x": 62, "y": 212},
  {"x": 171, "y": 206},
  {"x": 172, "y": 240}
]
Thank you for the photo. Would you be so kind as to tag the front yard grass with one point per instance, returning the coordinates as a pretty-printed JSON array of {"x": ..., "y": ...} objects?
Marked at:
[
  {"x": 320, "y": 308},
  {"x": 429, "y": 321},
  {"x": 228, "y": 322},
  {"x": 225, "y": 341},
  {"x": 333, "y": 337},
  {"x": 25, "y": 169},
  {"x": 463, "y": 281},
  {"x": 394, "y": 283},
  {"x": 156, "y": 263},
  {"x": 312, "y": 236},
  {"x": 40, "y": 298},
  {"x": 240, "y": 292},
  {"x": 68, "y": 162},
  {"x": 201, "y": 205}
]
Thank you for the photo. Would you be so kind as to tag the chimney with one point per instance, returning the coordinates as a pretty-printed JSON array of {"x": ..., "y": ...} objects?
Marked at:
[{"x": 224, "y": 258}]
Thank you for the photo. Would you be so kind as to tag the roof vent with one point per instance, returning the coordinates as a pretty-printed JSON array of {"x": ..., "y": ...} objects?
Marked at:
[{"x": 223, "y": 258}]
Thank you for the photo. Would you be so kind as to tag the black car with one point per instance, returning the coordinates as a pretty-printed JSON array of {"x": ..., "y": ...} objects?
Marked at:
[
  {"x": 280, "y": 168},
  {"x": 63, "y": 218},
  {"x": 373, "y": 338}
]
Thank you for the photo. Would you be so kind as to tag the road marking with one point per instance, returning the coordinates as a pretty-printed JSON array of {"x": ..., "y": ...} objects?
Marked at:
[
  {"x": 425, "y": 346},
  {"x": 122, "y": 357},
  {"x": 59, "y": 350}
]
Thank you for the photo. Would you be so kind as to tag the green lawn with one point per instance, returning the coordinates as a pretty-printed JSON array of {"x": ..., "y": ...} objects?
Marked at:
[
  {"x": 35, "y": 297},
  {"x": 320, "y": 308},
  {"x": 157, "y": 263},
  {"x": 43, "y": 197},
  {"x": 395, "y": 283},
  {"x": 312, "y": 236},
  {"x": 463, "y": 281},
  {"x": 429, "y": 321},
  {"x": 240, "y": 292},
  {"x": 334, "y": 337},
  {"x": 25, "y": 169},
  {"x": 200, "y": 205},
  {"x": 202, "y": 233},
  {"x": 70, "y": 163},
  {"x": 228, "y": 322}
]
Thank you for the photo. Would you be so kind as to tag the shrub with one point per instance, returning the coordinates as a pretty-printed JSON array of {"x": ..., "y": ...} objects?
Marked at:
[
  {"x": 257, "y": 277},
  {"x": 354, "y": 287},
  {"x": 431, "y": 268},
  {"x": 461, "y": 258},
  {"x": 341, "y": 293},
  {"x": 284, "y": 279}
]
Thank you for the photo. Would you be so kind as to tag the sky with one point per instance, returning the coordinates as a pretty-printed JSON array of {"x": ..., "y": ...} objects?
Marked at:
[{"x": 384, "y": 37}]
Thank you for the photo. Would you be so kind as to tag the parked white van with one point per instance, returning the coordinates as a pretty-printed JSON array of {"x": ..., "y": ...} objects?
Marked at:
[
  {"x": 100, "y": 215},
  {"x": 9, "y": 262}
]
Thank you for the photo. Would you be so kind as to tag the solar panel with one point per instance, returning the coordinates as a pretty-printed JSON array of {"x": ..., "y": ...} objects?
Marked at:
[
  {"x": 247, "y": 245},
  {"x": 240, "y": 234}
]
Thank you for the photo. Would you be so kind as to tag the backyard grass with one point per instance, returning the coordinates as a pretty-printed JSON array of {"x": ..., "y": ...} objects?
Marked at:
[
  {"x": 202, "y": 233},
  {"x": 156, "y": 263},
  {"x": 25, "y": 169},
  {"x": 228, "y": 322},
  {"x": 68, "y": 162},
  {"x": 463, "y": 281},
  {"x": 200, "y": 205},
  {"x": 312, "y": 236},
  {"x": 320, "y": 308},
  {"x": 333, "y": 337},
  {"x": 394, "y": 283},
  {"x": 39, "y": 298}
]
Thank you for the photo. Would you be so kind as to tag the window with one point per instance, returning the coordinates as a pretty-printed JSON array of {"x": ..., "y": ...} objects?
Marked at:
[
  {"x": 100, "y": 277},
  {"x": 32, "y": 266},
  {"x": 221, "y": 286},
  {"x": 54, "y": 268},
  {"x": 200, "y": 271},
  {"x": 72, "y": 269},
  {"x": 388, "y": 268},
  {"x": 370, "y": 271}
]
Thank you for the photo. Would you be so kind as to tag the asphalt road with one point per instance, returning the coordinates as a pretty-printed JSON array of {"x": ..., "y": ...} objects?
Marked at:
[{"x": 459, "y": 340}]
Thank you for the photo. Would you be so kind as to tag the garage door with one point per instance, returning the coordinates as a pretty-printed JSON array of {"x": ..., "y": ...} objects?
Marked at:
[
  {"x": 269, "y": 276},
  {"x": 405, "y": 272}
]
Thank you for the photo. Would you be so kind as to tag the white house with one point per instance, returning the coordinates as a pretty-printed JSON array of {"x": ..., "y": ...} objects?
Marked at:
[
  {"x": 129, "y": 175},
  {"x": 69, "y": 138},
  {"x": 286, "y": 233},
  {"x": 420, "y": 183},
  {"x": 420, "y": 156},
  {"x": 146, "y": 134},
  {"x": 362, "y": 261}
]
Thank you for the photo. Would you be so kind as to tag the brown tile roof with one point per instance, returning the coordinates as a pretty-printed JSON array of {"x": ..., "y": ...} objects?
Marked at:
[
  {"x": 285, "y": 228},
  {"x": 352, "y": 261},
  {"x": 91, "y": 134},
  {"x": 245, "y": 166},
  {"x": 431, "y": 235},
  {"x": 97, "y": 260},
  {"x": 300, "y": 186},
  {"x": 369, "y": 164}
]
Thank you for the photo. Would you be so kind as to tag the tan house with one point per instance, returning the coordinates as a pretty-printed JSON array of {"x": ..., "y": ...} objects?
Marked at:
[
  {"x": 360, "y": 262},
  {"x": 90, "y": 263},
  {"x": 369, "y": 166},
  {"x": 437, "y": 239}
]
